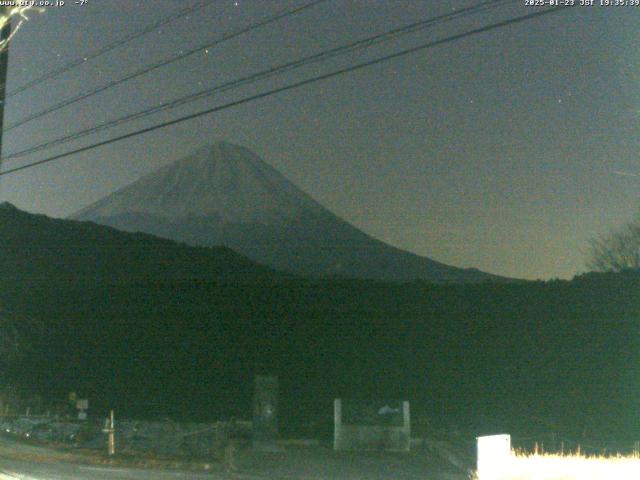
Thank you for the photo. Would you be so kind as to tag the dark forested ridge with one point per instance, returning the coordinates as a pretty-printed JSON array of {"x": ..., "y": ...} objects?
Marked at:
[
  {"x": 38, "y": 247},
  {"x": 155, "y": 327}
]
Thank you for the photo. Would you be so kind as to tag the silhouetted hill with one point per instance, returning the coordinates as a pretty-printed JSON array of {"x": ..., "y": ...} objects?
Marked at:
[
  {"x": 226, "y": 195},
  {"x": 36, "y": 247},
  {"x": 557, "y": 356}
]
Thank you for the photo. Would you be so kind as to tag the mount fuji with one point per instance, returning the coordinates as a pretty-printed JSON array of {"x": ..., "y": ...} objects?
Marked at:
[{"x": 225, "y": 194}]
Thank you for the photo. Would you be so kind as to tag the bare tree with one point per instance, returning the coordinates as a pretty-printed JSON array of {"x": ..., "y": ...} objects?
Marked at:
[{"x": 617, "y": 251}]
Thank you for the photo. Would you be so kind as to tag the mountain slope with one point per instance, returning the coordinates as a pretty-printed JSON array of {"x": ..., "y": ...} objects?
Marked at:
[
  {"x": 147, "y": 327},
  {"x": 226, "y": 195},
  {"x": 36, "y": 247}
]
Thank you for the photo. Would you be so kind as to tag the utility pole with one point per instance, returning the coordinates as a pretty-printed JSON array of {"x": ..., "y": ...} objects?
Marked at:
[
  {"x": 110, "y": 430},
  {"x": 4, "y": 64}
]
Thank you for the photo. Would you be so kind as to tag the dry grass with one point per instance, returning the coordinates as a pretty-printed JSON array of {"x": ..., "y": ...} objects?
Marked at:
[{"x": 540, "y": 466}]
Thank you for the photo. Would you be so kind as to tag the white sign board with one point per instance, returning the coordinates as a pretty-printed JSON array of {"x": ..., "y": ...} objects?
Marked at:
[{"x": 494, "y": 455}]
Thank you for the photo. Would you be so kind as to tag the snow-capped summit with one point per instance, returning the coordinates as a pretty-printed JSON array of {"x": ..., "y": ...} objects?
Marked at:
[
  {"x": 222, "y": 180},
  {"x": 225, "y": 194}
]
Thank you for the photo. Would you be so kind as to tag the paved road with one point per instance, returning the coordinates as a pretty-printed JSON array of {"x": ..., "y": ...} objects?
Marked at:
[
  {"x": 28, "y": 462},
  {"x": 30, "y": 470}
]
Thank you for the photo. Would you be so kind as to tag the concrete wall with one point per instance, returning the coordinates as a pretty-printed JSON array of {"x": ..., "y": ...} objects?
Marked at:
[{"x": 371, "y": 437}]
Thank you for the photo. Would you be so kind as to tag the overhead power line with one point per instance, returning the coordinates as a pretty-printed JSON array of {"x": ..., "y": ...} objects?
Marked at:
[
  {"x": 294, "y": 85},
  {"x": 278, "y": 70},
  {"x": 109, "y": 47},
  {"x": 162, "y": 63}
]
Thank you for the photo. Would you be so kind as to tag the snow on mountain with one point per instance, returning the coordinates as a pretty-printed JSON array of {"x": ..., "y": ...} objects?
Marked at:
[
  {"x": 226, "y": 195},
  {"x": 224, "y": 180}
]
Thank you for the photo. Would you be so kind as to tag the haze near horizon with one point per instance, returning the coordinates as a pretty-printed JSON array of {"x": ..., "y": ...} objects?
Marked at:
[{"x": 505, "y": 151}]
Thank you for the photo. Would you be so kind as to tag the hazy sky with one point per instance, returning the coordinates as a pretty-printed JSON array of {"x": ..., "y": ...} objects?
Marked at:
[{"x": 505, "y": 151}]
